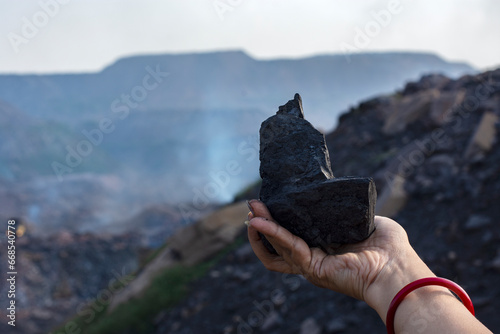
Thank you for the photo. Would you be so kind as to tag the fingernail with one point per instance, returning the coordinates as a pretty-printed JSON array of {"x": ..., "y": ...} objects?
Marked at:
[
  {"x": 246, "y": 222},
  {"x": 250, "y": 216},
  {"x": 250, "y": 207}
]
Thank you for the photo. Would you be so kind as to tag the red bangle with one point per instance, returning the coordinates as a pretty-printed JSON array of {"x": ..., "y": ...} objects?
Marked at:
[{"x": 457, "y": 289}]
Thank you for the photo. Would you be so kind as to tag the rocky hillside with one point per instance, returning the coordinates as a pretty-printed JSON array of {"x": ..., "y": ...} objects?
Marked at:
[
  {"x": 60, "y": 274},
  {"x": 433, "y": 149}
]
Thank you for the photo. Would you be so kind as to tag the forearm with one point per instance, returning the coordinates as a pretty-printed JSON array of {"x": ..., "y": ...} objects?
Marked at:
[
  {"x": 434, "y": 309},
  {"x": 374, "y": 270},
  {"x": 430, "y": 309}
]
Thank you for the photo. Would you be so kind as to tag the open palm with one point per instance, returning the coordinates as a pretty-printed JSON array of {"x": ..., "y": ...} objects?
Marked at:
[{"x": 351, "y": 270}]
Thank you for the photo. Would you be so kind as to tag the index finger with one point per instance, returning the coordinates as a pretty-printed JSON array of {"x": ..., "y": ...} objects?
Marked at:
[
  {"x": 293, "y": 249},
  {"x": 271, "y": 261}
]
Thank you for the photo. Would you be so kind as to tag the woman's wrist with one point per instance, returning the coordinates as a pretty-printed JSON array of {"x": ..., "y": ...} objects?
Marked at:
[
  {"x": 428, "y": 309},
  {"x": 400, "y": 271}
]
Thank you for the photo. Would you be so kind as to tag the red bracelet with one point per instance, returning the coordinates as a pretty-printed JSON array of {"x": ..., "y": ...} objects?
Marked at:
[{"x": 457, "y": 289}]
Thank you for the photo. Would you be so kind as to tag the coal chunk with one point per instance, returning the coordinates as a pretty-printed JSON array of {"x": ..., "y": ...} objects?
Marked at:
[{"x": 299, "y": 188}]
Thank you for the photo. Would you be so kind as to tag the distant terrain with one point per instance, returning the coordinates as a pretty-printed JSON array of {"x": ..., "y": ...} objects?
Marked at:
[
  {"x": 432, "y": 147},
  {"x": 87, "y": 150}
]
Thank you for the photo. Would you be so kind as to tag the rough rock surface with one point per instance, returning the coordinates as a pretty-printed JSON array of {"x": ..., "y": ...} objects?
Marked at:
[
  {"x": 298, "y": 185},
  {"x": 451, "y": 215},
  {"x": 63, "y": 272},
  {"x": 189, "y": 246}
]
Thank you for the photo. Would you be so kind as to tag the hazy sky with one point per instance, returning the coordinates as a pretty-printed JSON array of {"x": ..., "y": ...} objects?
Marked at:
[{"x": 86, "y": 35}]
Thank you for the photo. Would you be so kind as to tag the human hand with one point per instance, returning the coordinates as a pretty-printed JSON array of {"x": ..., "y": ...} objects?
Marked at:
[{"x": 373, "y": 270}]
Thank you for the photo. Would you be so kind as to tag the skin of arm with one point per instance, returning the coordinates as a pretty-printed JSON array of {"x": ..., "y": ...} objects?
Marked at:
[{"x": 374, "y": 271}]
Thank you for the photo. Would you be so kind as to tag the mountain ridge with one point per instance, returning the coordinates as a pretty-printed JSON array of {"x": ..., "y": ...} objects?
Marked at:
[
  {"x": 223, "y": 80},
  {"x": 166, "y": 127}
]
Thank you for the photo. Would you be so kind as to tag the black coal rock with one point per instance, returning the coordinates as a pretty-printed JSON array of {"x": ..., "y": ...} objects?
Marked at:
[{"x": 299, "y": 188}]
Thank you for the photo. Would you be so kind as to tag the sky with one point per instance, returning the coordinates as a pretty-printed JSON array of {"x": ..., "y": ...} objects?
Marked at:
[{"x": 57, "y": 36}]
